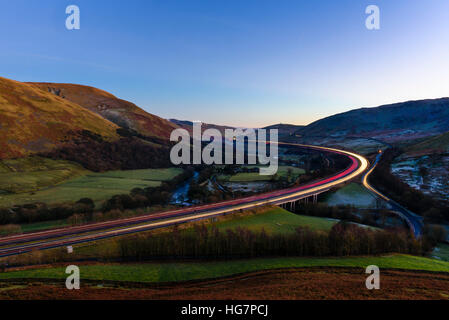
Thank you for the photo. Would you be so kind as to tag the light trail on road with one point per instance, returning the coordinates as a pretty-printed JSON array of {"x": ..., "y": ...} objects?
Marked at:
[
  {"x": 413, "y": 221},
  {"x": 19, "y": 244}
]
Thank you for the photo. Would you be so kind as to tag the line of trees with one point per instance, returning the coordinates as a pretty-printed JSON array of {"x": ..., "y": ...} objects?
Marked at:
[
  {"x": 210, "y": 243},
  {"x": 39, "y": 212},
  {"x": 127, "y": 153}
]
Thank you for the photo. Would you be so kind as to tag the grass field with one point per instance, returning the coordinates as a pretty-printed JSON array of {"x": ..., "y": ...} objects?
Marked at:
[
  {"x": 33, "y": 227},
  {"x": 97, "y": 186},
  {"x": 351, "y": 194},
  {"x": 33, "y": 173},
  {"x": 276, "y": 220},
  {"x": 441, "y": 252},
  {"x": 432, "y": 145},
  {"x": 255, "y": 176},
  {"x": 38, "y": 226},
  {"x": 165, "y": 272}
]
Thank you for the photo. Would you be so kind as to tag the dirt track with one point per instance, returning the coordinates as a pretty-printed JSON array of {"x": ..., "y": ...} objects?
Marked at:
[{"x": 307, "y": 283}]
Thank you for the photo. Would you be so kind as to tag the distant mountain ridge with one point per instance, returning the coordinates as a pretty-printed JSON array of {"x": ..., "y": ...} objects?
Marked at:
[
  {"x": 121, "y": 112},
  {"x": 36, "y": 117},
  {"x": 188, "y": 125},
  {"x": 285, "y": 130},
  {"x": 394, "y": 122}
]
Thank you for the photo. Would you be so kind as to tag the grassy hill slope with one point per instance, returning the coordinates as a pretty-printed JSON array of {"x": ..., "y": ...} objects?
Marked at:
[
  {"x": 121, "y": 112},
  {"x": 434, "y": 145},
  {"x": 34, "y": 173},
  {"x": 33, "y": 120},
  {"x": 276, "y": 220}
]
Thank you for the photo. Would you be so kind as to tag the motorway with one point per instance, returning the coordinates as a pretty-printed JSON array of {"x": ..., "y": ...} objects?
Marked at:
[
  {"x": 413, "y": 220},
  {"x": 19, "y": 244}
]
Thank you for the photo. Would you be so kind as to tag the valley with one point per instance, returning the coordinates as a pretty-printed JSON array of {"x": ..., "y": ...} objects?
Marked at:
[
  {"x": 215, "y": 158},
  {"x": 97, "y": 186},
  {"x": 109, "y": 192}
]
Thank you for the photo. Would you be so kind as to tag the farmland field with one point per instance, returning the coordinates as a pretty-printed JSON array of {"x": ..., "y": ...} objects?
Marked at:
[
  {"x": 32, "y": 227},
  {"x": 33, "y": 173},
  {"x": 351, "y": 194},
  {"x": 255, "y": 176},
  {"x": 277, "y": 220},
  {"x": 97, "y": 186},
  {"x": 441, "y": 252},
  {"x": 183, "y": 271}
]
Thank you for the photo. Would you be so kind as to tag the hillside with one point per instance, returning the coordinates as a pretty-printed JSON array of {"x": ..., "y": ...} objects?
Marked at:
[
  {"x": 433, "y": 145},
  {"x": 121, "y": 112},
  {"x": 188, "y": 125},
  {"x": 33, "y": 173},
  {"x": 285, "y": 130},
  {"x": 32, "y": 120},
  {"x": 425, "y": 166},
  {"x": 391, "y": 123}
]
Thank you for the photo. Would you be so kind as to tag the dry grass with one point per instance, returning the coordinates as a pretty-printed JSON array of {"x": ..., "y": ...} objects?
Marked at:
[
  {"x": 293, "y": 284},
  {"x": 36, "y": 120},
  {"x": 118, "y": 111}
]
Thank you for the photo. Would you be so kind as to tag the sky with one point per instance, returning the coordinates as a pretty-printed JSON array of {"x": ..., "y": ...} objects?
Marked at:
[{"x": 245, "y": 63}]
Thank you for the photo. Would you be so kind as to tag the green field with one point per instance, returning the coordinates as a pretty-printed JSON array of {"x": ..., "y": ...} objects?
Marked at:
[
  {"x": 436, "y": 144},
  {"x": 97, "y": 186},
  {"x": 33, "y": 227},
  {"x": 165, "y": 272},
  {"x": 276, "y": 220},
  {"x": 351, "y": 194},
  {"x": 441, "y": 252},
  {"x": 142, "y": 174},
  {"x": 255, "y": 176},
  {"x": 33, "y": 173},
  {"x": 39, "y": 226}
]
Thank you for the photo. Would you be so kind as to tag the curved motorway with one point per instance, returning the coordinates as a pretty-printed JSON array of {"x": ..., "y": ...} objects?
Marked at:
[
  {"x": 18, "y": 244},
  {"x": 413, "y": 221}
]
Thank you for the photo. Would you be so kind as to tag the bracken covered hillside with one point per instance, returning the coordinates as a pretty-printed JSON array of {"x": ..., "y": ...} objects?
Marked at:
[
  {"x": 121, "y": 112},
  {"x": 34, "y": 120}
]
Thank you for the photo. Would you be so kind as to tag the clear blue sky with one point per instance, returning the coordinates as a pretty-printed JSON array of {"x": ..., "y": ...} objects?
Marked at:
[{"x": 236, "y": 62}]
